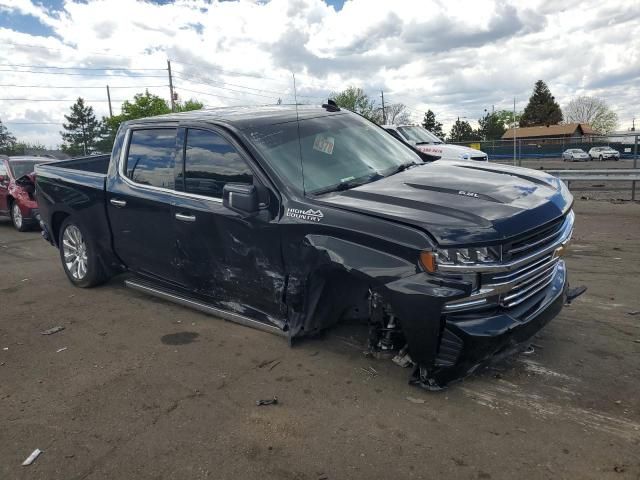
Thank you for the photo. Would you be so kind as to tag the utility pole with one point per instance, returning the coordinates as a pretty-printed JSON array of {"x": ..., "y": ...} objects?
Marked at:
[
  {"x": 384, "y": 115},
  {"x": 514, "y": 130},
  {"x": 109, "y": 98},
  {"x": 173, "y": 102}
]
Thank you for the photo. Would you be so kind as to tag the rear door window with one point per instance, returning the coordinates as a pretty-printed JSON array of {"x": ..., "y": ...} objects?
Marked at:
[
  {"x": 210, "y": 162},
  {"x": 151, "y": 157}
]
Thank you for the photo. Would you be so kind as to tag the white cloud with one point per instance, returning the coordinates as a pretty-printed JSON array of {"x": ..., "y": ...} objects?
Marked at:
[{"x": 456, "y": 58}]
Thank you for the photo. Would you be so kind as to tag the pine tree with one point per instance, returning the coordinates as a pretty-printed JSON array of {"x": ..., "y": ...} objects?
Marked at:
[
  {"x": 491, "y": 127},
  {"x": 81, "y": 131},
  {"x": 461, "y": 131},
  {"x": 430, "y": 123},
  {"x": 542, "y": 108},
  {"x": 7, "y": 141}
]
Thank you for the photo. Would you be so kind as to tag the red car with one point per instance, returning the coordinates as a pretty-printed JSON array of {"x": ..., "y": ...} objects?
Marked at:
[{"x": 17, "y": 189}]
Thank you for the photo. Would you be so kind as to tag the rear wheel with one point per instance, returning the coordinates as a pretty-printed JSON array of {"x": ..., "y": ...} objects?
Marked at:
[
  {"x": 18, "y": 220},
  {"x": 79, "y": 255}
]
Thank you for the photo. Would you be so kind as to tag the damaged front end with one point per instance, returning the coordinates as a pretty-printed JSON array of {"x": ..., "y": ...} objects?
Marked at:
[{"x": 471, "y": 307}]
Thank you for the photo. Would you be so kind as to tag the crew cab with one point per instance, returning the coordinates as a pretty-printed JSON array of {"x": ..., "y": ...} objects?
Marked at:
[
  {"x": 17, "y": 199},
  {"x": 294, "y": 219},
  {"x": 425, "y": 141}
]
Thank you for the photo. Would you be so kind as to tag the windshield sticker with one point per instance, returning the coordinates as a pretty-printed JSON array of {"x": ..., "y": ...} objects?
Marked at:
[
  {"x": 323, "y": 144},
  {"x": 309, "y": 215}
]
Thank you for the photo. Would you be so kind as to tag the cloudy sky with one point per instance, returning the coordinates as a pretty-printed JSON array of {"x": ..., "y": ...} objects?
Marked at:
[{"x": 457, "y": 58}]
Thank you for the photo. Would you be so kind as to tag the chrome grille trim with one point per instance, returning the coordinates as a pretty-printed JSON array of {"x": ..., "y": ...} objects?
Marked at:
[
  {"x": 509, "y": 266},
  {"x": 557, "y": 229}
]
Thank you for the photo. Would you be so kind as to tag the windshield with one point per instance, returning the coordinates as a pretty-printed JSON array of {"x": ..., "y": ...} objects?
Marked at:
[
  {"x": 338, "y": 151},
  {"x": 418, "y": 135},
  {"x": 23, "y": 167}
]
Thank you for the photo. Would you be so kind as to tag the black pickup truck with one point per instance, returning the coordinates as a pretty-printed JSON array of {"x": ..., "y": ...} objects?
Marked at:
[{"x": 293, "y": 219}]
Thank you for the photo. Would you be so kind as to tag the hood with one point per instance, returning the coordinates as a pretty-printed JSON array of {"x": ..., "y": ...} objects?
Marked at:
[
  {"x": 451, "y": 151},
  {"x": 459, "y": 203}
]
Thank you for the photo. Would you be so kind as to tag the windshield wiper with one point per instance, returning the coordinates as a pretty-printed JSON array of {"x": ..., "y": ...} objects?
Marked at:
[
  {"x": 401, "y": 168},
  {"x": 348, "y": 184}
]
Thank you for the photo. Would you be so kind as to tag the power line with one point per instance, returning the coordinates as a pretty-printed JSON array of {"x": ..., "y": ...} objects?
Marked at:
[
  {"x": 228, "y": 89},
  {"x": 210, "y": 94},
  {"x": 79, "y": 68},
  {"x": 239, "y": 74},
  {"x": 62, "y": 50},
  {"x": 231, "y": 84},
  {"x": 32, "y": 123},
  {"x": 80, "y": 88},
  {"x": 51, "y": 100},
  {"x": 84, "y": 74}
]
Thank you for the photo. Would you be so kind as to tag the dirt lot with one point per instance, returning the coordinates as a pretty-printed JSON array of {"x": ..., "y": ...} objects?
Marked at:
[
  {"x": 121, "y": 403},
  {"x": 597, "y": 190}
]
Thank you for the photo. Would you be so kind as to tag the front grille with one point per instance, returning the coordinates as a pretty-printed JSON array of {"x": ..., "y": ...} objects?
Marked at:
[
  {"x": 535, "y": 241},
  {"x": 526, "y": 281},
  {"x": 530, "y": 264}
]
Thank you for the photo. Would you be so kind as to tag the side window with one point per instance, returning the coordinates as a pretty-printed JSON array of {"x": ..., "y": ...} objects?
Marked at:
[
  {"x": 3, "y": 169},
  {"x": 210, "y": 162},
  {"x": 151, "y": 157}
]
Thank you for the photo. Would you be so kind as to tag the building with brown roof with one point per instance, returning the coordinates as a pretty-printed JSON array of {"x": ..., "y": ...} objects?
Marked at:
[{"x": 562, "y": 133}]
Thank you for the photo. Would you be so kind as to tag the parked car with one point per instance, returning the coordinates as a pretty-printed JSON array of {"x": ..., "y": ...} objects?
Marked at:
[
  {"x": 427, "y": 142},
  {"x": 575, "y": 155},
  {"x": 17, "y": 198},
  {"x": 604, "y": 153},
  {"x": 292, "y": 220}
]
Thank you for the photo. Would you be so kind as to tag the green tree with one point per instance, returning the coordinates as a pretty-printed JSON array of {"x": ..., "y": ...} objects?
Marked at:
[
  {"x": 430, "y": 123},
  {"x": 143, "y": 105},
  {"x": 461, "y": 131},
  {"x": 189, "y": 105},
  {"x": 81, "y": 131},
  {"x": 542, "y": 108},
  {"x": 7, "y": 140},
  {"x": 491, "y": 127},
  {"x": 356, "y": 100},
  {"x": 591, "y": 110},
  {"x": 506, "y": 117}
]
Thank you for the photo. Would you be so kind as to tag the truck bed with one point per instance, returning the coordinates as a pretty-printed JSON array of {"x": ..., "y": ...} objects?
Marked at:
[
  {"x": 75, "y": 187},
  {"x": 94, "y": 163}
]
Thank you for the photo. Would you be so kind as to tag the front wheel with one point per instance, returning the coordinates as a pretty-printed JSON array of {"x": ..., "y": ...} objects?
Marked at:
[
  {"x": 601, "y": 158},
  {"x": 18, "y": 220},
  {"x": 79, "y": 256}
]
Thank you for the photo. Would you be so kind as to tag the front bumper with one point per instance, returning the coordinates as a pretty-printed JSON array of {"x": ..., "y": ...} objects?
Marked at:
[
  {"x": 447, "y": 346},
  {"x": 470, "y": 341}
]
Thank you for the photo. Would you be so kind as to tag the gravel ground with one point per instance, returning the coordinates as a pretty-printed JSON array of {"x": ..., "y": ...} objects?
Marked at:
[
  {"x": 594, "y": 190},
  {"x": 147, "y": 389}
]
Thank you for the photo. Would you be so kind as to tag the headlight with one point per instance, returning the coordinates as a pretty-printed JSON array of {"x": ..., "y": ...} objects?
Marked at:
[
  {"x": 459, "y": 256},
  {"x": 465, "y": 156}
]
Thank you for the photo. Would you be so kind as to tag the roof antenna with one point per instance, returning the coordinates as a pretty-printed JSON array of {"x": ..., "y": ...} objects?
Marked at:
[{"x": 295, "y": 96}]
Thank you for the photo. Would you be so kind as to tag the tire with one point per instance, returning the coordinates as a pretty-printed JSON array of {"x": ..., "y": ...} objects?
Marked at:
[
  {"x": 19, "y": 222},
  {"x": 601, "y": 159},
  {"x": 79, "y": 256}
]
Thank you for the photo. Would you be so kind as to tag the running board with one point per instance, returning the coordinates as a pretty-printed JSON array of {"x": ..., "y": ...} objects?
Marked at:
[{"x": 203, "y": 307}]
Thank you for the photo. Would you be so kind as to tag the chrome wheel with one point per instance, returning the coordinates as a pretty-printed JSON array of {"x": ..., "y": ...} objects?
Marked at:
[
  {"x": 16, "y": 214},
  {"x": 74, "y": 249}
]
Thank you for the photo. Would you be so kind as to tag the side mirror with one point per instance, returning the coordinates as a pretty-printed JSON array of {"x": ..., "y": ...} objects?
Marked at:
[
  {"x": 26, "y": 183},
  {"x": 240, "y": 197}
]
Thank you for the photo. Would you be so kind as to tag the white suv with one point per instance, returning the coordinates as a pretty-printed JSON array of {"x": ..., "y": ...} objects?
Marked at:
[
  {"x": 604, "y": 153},
  {"x": 427, "y": 142}
]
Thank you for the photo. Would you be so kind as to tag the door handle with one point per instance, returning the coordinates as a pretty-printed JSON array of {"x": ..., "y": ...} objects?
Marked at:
[
  {"x": 118, "y": 203},
  {"x": 185, "y": 218}
]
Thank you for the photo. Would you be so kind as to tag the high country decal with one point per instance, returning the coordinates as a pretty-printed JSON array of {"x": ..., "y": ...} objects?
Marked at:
[{"x": 309, "y": 215}]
